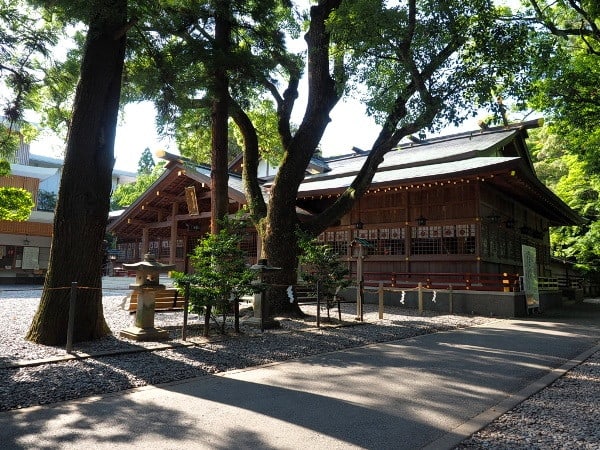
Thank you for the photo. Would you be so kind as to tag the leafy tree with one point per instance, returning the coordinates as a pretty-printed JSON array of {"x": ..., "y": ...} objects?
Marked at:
[
  {"x": 84, "y": 193},
  {"x": 125, "y": 194},
  {"x": 190, "y": 57},
  {"x": 46, "y": 200},
  {"x": 15, "y": 204},
  {"x": 220, "y": 275},
  {"x": 564, "y": 88},
  {"x": 320, "y": 265},
  {"x": 569, "y": 176},
  {"x": 197, "y": 57},
  {"x": 26, "y": 38},
  {"x": 146, "y": 162},
  {"x": 413, "y": 80}
]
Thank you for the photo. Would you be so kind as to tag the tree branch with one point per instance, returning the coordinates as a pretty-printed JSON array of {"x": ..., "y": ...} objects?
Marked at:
[{"x": 256, "y": 202}]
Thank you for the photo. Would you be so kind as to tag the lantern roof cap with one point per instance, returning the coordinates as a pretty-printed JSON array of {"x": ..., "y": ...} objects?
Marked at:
[{"x": 150, "y": 263}]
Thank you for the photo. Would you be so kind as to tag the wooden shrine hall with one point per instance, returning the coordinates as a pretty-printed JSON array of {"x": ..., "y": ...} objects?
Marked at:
[{"x": 454, "y": 207}]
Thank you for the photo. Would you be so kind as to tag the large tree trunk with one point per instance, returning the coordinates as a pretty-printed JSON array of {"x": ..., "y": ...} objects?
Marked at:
[
  {"x": 84, "y": 194},
  {"x": 280, "y": 243},
  {"x": 280, "y": 247},
  {"x": 220, "y": 116}
]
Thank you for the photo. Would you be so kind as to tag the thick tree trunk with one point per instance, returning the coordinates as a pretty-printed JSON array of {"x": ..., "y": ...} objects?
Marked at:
[
  {"x": 220, "y": 116},
  {"x": 84, "y": 194},
  {"x": 280, "y": 247}
]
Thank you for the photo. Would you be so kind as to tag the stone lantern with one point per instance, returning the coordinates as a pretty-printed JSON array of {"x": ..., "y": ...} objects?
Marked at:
[
  {"x": 146, "y": 285},
  {"x": 260, "y": 300}
]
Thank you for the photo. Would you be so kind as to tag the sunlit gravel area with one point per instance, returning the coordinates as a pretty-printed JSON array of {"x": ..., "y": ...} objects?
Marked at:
[
  {"x": 565, "y": 415},
  {"x": 31, "y": 375}
]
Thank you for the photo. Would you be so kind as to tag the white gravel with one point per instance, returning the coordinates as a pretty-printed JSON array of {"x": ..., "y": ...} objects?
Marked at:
[
  {"x": 558, "y": 417},
  {"x": 565, "y": 415}
]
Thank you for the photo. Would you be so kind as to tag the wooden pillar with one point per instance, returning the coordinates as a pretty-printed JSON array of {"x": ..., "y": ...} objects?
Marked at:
[
  {"x": 359, "y": 282},
  {"x": 173, "y": 243}
]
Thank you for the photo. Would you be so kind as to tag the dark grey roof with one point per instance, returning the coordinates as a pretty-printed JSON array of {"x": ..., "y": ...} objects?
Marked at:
[
  {"x": 408, "y": 174},
  {"x": 431, "y": 151}
]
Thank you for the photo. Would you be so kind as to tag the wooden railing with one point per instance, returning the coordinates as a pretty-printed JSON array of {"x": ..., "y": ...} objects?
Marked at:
[
  {"x": 571, "y": 282},
  {"x": 507, "y": 282},
  {"x": 501, "y": 282}
]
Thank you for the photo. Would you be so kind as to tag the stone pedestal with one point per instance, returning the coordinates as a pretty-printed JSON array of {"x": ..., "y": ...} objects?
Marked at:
[
  {"x": 144, "y": 329},
  {"x": 146, "y": 285}
]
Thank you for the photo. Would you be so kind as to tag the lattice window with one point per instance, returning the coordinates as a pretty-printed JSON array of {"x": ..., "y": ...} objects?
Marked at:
[
  {"x": 439, "y": 240},
  {"x": 385, "y": 241},
  {"x": 340, "y": 242},
  {"x": 179, "y": 249}
]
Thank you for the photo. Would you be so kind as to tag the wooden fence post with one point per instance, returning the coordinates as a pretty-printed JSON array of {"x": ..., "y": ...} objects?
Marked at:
[
  {"x": 450, "y": 306},
  {"x": 186, "y": 302},
  {"x": 420, "y": 296},
  {"x": 318, "y": 305},
  {"x": 71, "y": 322},
  {"x": 380, "y": 300}
]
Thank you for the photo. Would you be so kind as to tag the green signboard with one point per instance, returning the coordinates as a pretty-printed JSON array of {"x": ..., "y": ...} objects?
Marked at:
[{"x": 530, "y": 277}]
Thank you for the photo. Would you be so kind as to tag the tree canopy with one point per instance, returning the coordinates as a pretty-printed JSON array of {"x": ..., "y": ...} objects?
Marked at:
[{"x": 564, "y": 87}]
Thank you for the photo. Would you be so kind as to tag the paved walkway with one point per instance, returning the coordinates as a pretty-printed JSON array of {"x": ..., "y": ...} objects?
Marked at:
[{"x": 431, "y": 390}]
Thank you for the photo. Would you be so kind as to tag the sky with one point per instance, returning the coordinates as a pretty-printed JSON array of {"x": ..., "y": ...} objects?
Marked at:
[{"x": 350, "y": 127}]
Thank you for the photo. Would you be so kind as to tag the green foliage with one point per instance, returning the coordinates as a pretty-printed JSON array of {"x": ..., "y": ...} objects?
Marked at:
[
  {"x": 564, "y": 87},
  {"x": 146, "y": 163},
  {"x": 264, "y": 117},
  {"x": 174, "y": 64},
  {"x": 473, "y": 56},
  {"x": 125, "y": 194},
  {"x": 46, "y": 200},
  {"x": 221, "y": 274},
  {"x": 193, "y": 136},
  {"x": 9, "y": 141},
  {"x": 16, "y": 204},
  {"x": 4, "y": 167},
  {"x": 320, "y": 264},
  {"x": 26, "y": 39},
  {"x": 571, "y": 178}
]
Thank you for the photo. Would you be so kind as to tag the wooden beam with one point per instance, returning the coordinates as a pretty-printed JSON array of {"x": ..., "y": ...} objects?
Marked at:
[
  {"x": 173, "y": 243},
  {"x": 178, "y": 218},
  {"x": 131, "y": 221}
]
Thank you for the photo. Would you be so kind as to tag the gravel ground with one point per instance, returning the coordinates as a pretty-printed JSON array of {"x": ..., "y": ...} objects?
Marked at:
[{"x": 565, "y": 415}]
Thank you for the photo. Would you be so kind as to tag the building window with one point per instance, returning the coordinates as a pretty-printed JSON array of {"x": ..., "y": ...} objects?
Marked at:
[
  {"x": 179, "y": 249},
  {"x": 443, "y": 240},
  {"x": 165, "y": 249},
  {"x": 384, "y": 241},
  {"x": 339, "y": 241}
]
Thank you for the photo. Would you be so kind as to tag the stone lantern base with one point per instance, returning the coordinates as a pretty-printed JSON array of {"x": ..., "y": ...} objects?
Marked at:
[{"x": 144, "y": 334}]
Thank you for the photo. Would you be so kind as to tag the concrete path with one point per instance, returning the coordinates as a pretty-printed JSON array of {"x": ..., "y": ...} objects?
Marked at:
[{"x": 432, "y": 390}]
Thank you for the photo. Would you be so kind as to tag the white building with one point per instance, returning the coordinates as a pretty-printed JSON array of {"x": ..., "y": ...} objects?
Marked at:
[{"x": 25, "y": 246}]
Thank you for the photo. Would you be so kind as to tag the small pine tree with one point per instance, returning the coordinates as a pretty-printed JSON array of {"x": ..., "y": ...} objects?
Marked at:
[
  {"x": 220, "y": 273},
  {"x": 319, "y": 263},
  {"x": 146, "y": 163}
]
